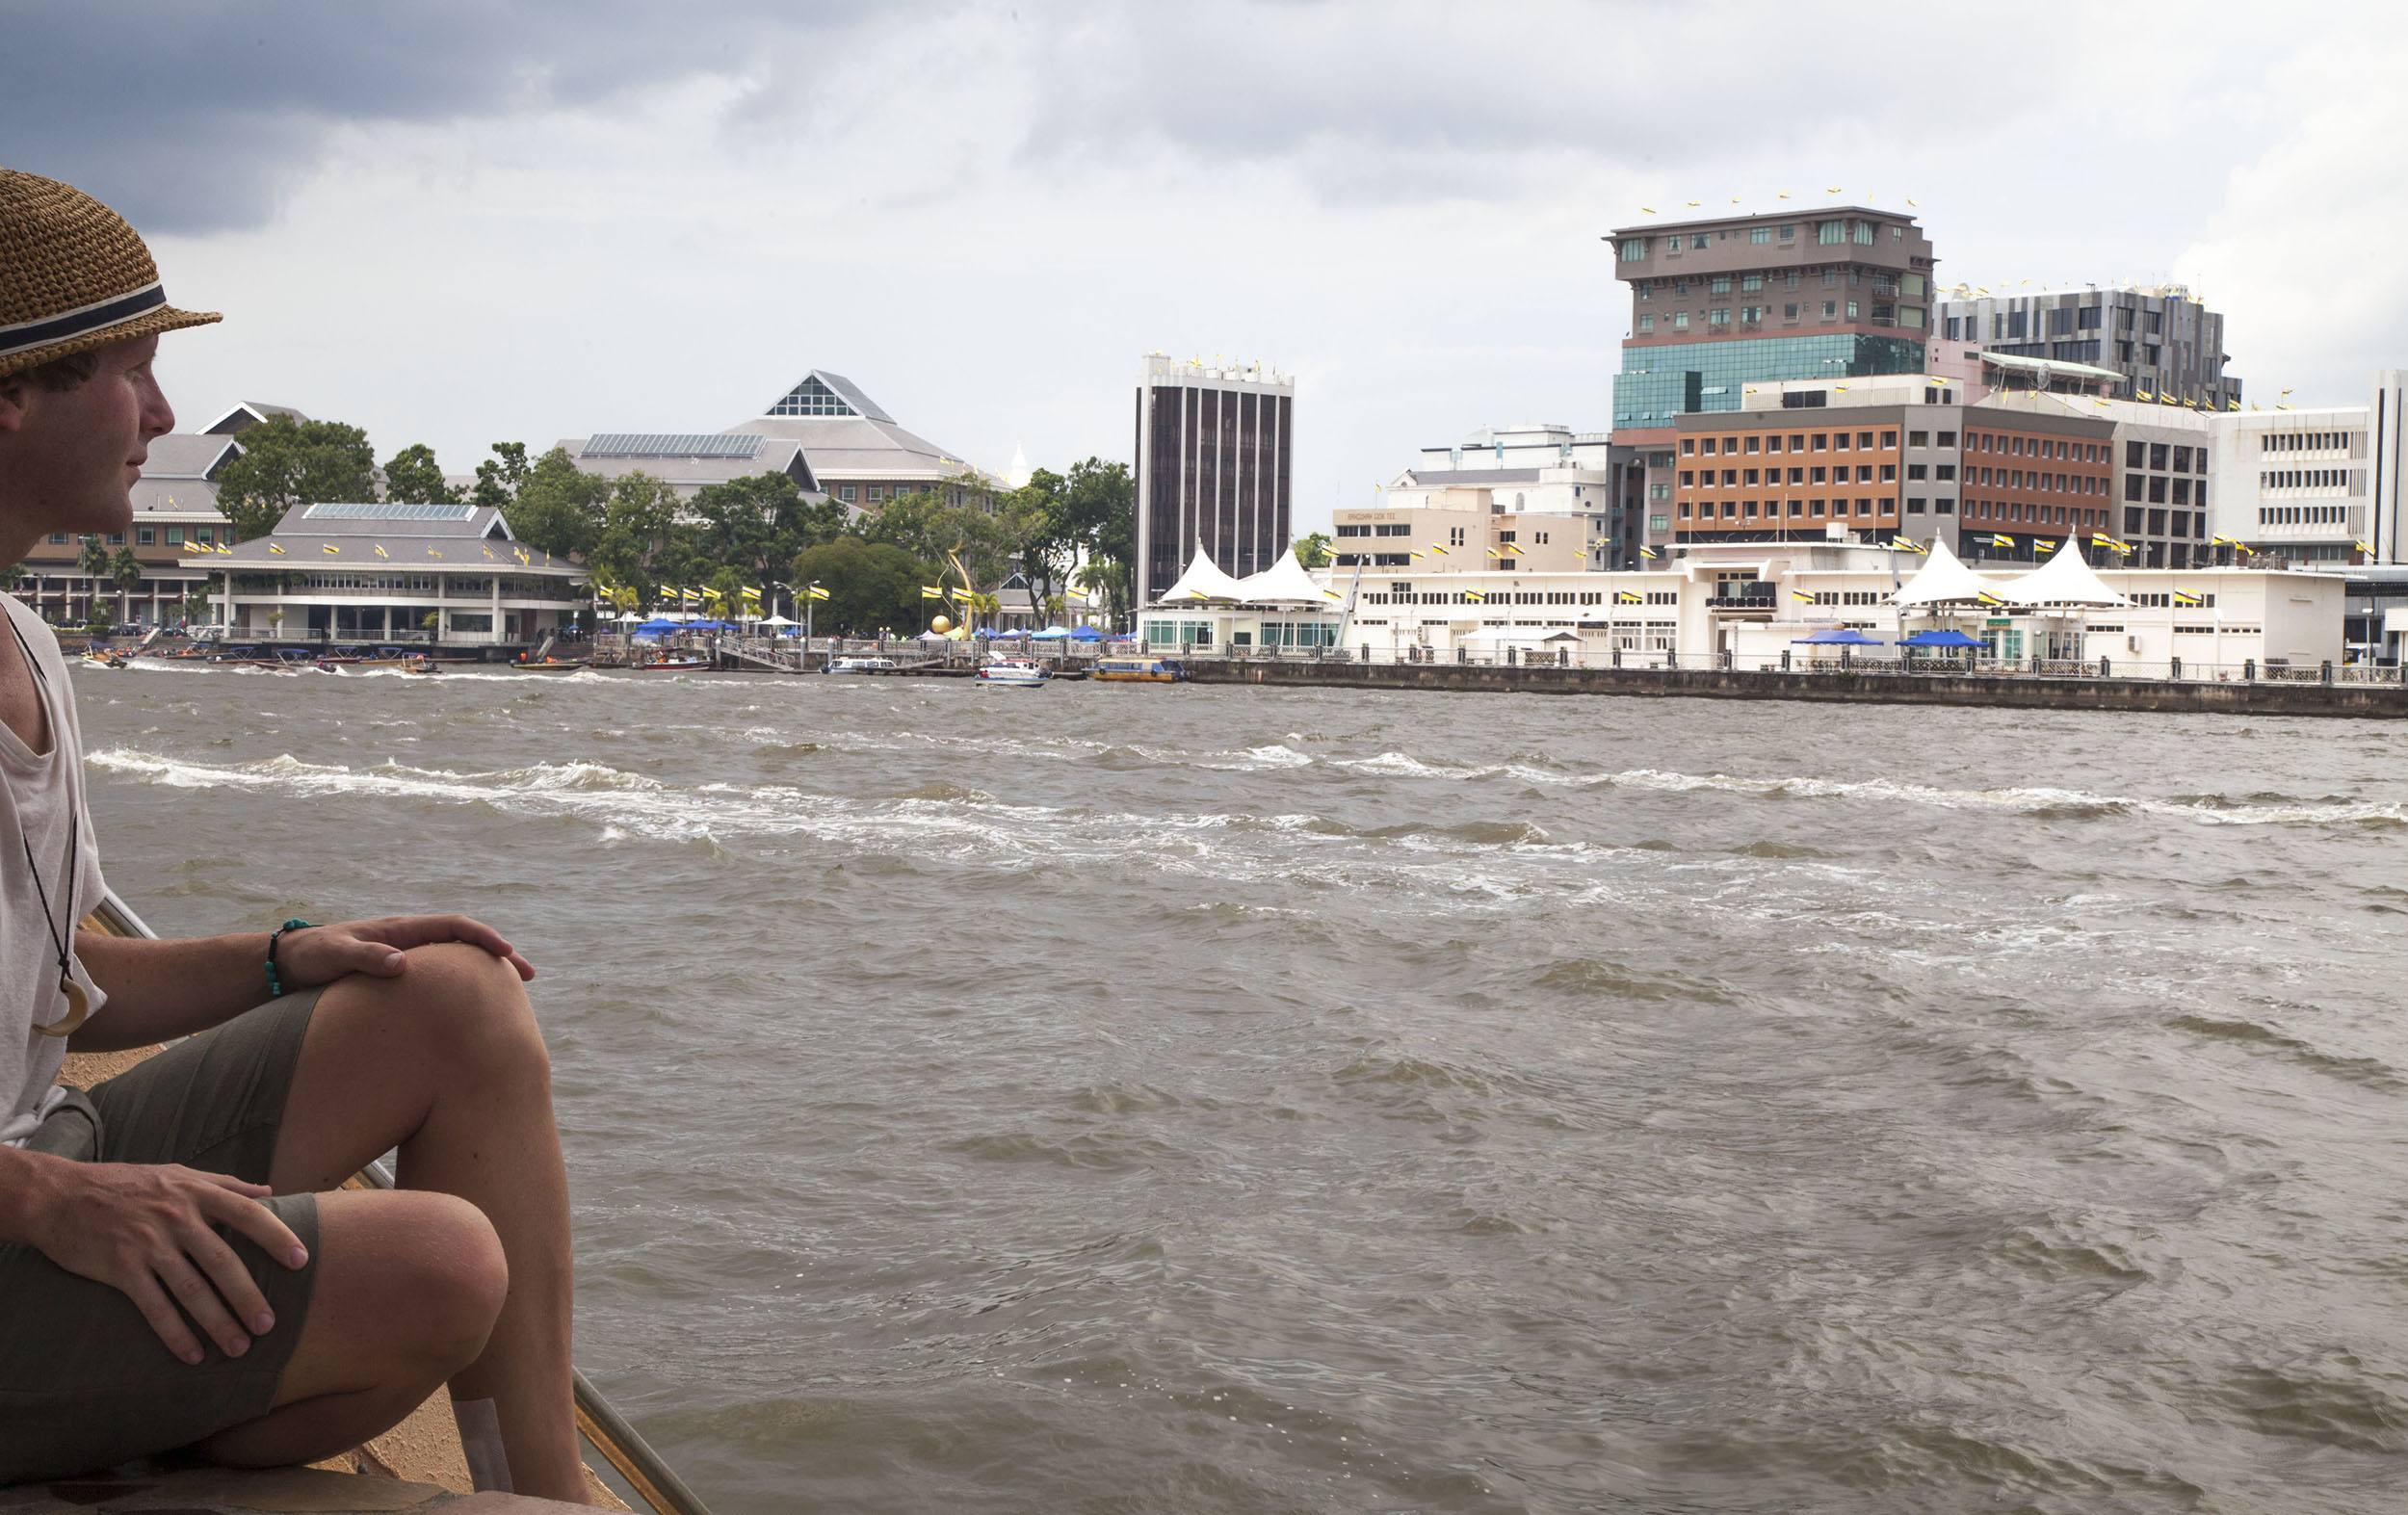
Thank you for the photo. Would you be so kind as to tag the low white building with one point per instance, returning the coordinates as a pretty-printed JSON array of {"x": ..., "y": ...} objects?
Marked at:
[
  {"x": 1751, "y": 605},
  {"x": 446, "y": 574}
]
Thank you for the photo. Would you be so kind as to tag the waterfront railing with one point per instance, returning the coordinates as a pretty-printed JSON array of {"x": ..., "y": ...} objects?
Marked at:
[{"x": 1836, "y": 662}]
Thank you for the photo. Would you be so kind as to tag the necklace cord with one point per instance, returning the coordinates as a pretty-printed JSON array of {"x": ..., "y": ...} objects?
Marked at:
[{"x": 74, "y": 821}]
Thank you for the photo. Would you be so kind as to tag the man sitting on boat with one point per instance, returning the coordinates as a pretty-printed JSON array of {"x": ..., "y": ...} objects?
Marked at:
[{"x": 180, "y": 1267}]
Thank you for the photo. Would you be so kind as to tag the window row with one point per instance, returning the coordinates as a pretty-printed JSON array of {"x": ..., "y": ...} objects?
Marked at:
[
  {"x": 1771, "y": 509},
  {"x": 2305, "y": 479},
  {"x": 2045, "y": 483},
  {"x": 1829, "y": 277},
  {"x": 2013, "y": 512},
  {"x": 1732, "y": 446},
  {"x": 2307, "y": 441},
  {"x": 1748, "y": 478},
  {"x": 2017, "y": 444},
  {"x": 2160, "y": 490}
]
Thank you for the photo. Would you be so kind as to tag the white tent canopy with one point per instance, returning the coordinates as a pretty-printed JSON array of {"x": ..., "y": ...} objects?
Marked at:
[
  {"x": 1283, "y": 583},
  {"x": 2065, "y": 579},
  {"x": 1942, "y": 580},
  {"x": 1203, "y": 581}
]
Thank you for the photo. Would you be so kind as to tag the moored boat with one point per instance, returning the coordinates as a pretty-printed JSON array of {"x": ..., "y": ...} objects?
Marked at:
[
  {"x": 861, "y": 665},
  {"x": 1140, "y": 670},
  {"x": 1016, "y": 672}
]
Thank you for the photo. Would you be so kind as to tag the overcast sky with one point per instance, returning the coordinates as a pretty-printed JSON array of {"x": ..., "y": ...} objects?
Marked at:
[{"x": 460, "y": 220}]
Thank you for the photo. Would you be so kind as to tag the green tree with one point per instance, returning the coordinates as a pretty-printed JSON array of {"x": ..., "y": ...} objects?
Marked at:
[
  {"x": 1311, "y": 549},
  {"x": 499, "y": 477},
  {"x": 411, "y": 476},
  {"x": 1109, "y": 578},
  {"x": 1101, "y": 503},
  {"x": 126, "y": 569},
  {"x": 868, "y": 585},
  {"x": 287, "y": 463},
  {"x": 923, "y": 526},
  {"x": 92, "y": 557},
  {"x": 638, "y": 545},
  {"x": 1038, "y": 531},
  {"x": 756, "y": 524},
  {"x": 194, "y": 611},
  {"x": 559, "y": 508}
]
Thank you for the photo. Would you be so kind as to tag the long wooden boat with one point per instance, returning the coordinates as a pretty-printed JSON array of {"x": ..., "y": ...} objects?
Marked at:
[
  {"x": 1139, "y": 670},
  {"x": 423, "y": 1450}
]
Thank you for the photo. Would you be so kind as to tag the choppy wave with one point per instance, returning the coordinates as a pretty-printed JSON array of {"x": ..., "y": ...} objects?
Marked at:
[{"x": 1277, "y": 1099}]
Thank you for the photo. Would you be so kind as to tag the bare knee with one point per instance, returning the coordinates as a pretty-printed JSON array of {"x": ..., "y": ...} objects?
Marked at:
[
  {"x": 408, "y": 1288},
  {"x": 453, "y": 1277},
  {"x": 473, "y": 1006}
]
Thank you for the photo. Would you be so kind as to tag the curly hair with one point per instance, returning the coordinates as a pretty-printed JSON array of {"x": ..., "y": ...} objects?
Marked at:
[{"x": 58, "y": 375}]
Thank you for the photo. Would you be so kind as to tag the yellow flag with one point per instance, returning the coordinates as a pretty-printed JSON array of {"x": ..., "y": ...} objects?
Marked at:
[{"x": 331, "y": 551}]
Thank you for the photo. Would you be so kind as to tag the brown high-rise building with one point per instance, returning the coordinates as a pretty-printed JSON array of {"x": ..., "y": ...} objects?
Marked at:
[
  {"x": 1214, "y": 451},
  {"x": 1721, "y": 303}
]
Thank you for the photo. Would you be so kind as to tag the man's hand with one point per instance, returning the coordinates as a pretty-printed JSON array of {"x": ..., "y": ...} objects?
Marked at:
[
  {"x": 324, "y": 954},
  {"x": 144, "y": 1230}
]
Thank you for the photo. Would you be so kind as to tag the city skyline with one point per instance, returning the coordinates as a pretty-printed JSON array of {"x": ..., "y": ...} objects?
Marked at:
[{"x": 457, "y": 227}]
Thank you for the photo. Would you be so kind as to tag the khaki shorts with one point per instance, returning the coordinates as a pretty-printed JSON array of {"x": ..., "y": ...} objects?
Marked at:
[{"x": 84, "y": 1383}]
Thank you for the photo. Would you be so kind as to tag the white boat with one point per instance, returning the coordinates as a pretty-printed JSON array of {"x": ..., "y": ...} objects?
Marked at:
[
  {"x": 1017, "y": 673},
  {"x": 862, "y": 665}
]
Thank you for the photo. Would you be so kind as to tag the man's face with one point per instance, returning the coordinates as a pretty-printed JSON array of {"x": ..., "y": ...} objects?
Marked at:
[{"x": 68, "y": 458}]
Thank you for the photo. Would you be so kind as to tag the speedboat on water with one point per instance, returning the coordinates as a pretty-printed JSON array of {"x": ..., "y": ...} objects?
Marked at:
[{"x": 1016, "y": 672}]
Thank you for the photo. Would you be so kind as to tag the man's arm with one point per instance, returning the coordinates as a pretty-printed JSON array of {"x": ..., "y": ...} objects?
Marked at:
[
  {"x": 160, "y": 990},
  {"x": 157, "y": 990}
]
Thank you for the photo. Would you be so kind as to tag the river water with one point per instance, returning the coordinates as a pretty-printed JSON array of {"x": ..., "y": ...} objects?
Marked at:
[{"x": 1101, "y": 1099}]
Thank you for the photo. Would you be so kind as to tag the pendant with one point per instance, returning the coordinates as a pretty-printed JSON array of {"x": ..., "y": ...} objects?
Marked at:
[{"x": 78, "y": 1005}]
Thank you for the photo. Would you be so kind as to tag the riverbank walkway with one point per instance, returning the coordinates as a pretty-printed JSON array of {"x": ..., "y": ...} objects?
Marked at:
[{"x": 2367, "y": 691}]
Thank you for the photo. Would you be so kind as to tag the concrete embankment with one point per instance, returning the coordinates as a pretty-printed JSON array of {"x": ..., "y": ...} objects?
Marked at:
[{"x": 2372, "y": 701}]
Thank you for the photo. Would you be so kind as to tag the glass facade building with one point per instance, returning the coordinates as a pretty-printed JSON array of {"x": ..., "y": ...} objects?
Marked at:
[{"x": 1661, "y": 382}]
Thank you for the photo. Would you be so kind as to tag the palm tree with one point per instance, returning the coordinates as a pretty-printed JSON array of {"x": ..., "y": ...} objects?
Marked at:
[
  {"x": 1104, "y": 575},
  {"x": 127, "y": 570},
  {"x": 92, "y": 561}
]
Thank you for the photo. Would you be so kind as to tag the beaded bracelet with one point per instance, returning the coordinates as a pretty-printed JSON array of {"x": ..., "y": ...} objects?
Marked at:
[{"x": 276, "y": 986}]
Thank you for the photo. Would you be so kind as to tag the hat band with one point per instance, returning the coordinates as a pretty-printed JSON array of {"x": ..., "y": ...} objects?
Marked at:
[{"x": 117, "y": 309}]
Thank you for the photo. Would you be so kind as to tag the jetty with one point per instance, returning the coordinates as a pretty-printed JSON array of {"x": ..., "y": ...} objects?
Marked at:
[{"x": 2362, "y": 691}]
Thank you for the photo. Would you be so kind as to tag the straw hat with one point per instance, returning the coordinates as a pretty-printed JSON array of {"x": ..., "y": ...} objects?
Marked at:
[{"x": 74, "y": 276}]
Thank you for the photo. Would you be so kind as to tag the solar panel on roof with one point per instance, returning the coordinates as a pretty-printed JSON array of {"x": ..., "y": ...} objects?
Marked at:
[
  {"x": 388, "y": 511},
  {"x": 669, "y": 444}
]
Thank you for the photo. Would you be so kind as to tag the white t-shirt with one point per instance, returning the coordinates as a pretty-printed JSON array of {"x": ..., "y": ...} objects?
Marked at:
[{"x": 34, "y": 808}]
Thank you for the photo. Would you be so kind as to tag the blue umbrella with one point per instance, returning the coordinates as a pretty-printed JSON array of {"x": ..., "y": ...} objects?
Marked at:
[
  {"x": 1940, "y": 639},
  {"x": 1086, "y": 633},
  {"x": 1839, "y": 637},
  {"x": 1050, "y": 634}
]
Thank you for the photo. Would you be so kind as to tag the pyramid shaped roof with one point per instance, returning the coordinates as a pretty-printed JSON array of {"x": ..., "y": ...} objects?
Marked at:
[
  {"x": 2065, "y": 579},
  {"x": 1283, "y": 583},
  {"x": 1943, "y": 579},
  {"x": 1203, "y": 581}
]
